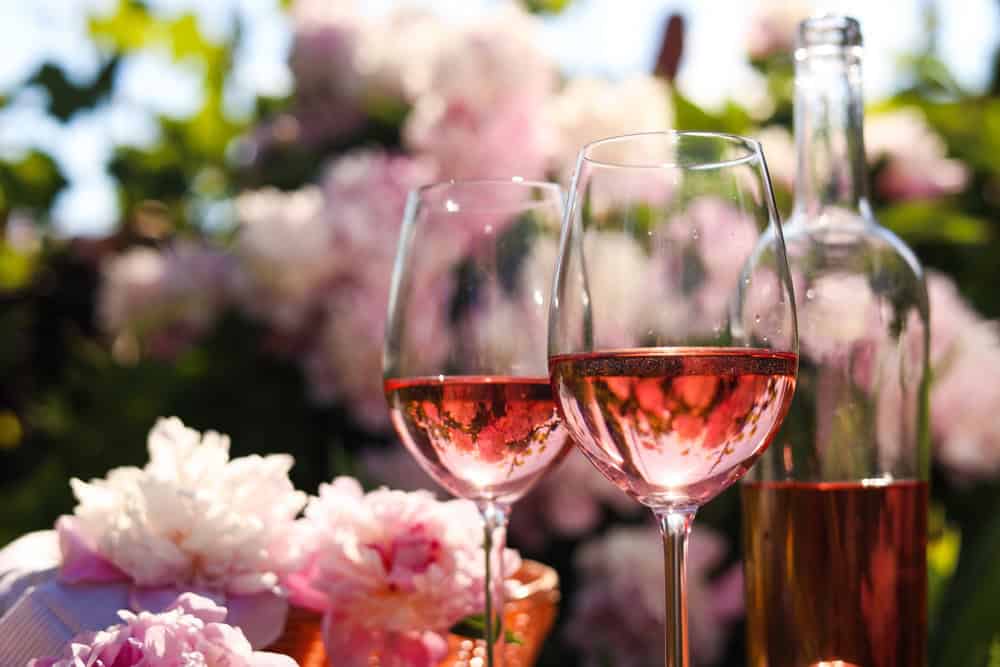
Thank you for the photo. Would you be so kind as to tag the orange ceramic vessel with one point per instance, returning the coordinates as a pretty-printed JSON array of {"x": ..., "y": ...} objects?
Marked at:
[{"x": 529, "y": 613}]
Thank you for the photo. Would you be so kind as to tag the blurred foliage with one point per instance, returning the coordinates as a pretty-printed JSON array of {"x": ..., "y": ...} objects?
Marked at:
[
  {"x": 68, "y": 408},
  {"x": 30, "y": 182},
  {"x": 546, "y": 6},
  {"x": 65, "y": 98}
]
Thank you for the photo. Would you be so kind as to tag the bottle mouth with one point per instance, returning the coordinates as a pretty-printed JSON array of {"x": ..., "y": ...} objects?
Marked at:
[{"x": 829, "y": 30}]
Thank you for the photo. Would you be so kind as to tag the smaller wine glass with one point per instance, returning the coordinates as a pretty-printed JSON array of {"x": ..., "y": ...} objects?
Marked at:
[
  {"x": 464, "y": 364},
  {"x": 672, "y": 338}
]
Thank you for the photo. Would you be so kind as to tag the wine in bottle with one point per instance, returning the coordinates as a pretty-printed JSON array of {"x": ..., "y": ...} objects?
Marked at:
[{"x": 835, "y": 512}]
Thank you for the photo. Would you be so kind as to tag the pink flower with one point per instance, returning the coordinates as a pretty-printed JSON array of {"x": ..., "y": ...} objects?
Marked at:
[
  {"x": 773, "y": 28},
  {"x": 191, "y": 520},
  {"x": 189, "y": 633},
  {"x": 505, "y": 140},
  {"x": 568, "y": 502},
  {"x": 328, "y": 90},
  {"x": 917, "y": 166},
  {"x": 719, "y": 239},
  {"x": 364, "y": 197},
  {"x": 965, "y": 349},
  {"x": 779, "y": 151},
  {"x": 161, "y": 301},
  {"x": 347, "y": 65},
  {"x": 619, "y": 610},
  {"x": 391, "y": 572},
  {"x": 482, "y": 114},
  {"x": 586, "y": 110},
  {"x": 318, "y": 263}
]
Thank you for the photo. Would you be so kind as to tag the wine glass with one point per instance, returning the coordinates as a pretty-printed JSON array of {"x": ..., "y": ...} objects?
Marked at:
[
  {"x": 464, "y": 363},
  {"x": 672, "y": 333}
]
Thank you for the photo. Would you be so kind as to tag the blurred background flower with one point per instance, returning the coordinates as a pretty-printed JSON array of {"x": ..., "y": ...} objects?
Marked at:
[
  {"x": 200, "y": 203},
  {"x": 619, "y": 610}
]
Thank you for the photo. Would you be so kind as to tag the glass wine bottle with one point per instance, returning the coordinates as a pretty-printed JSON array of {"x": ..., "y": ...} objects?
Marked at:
[{"x": 835, "y": 513}]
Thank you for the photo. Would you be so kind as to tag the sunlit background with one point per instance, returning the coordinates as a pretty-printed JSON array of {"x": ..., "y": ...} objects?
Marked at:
[
  {"x": 591, "y": 37},
  {"x": 200, "y": 202}
]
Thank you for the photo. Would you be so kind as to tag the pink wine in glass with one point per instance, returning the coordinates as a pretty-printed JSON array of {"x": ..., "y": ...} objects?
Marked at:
[
  {"x": 479, "y": 436},
  {"x": 673, "y": 426},
  {"x": 836, "y": 571}
]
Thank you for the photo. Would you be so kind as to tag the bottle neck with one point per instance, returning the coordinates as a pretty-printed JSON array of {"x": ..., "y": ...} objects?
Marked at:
[{"x": 828, "y": 133}]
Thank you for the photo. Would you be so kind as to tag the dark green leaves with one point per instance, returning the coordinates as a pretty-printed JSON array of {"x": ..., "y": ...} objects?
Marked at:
[{"x": 474, "y": 627}]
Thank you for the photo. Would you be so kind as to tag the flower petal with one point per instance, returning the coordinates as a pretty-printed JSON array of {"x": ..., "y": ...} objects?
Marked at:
[
  {"x": 262, "y": 659},
  {"x": 81, "y": 561},
  {"x": 198, "y": 605},
  {"x": 261, "y": 617}
]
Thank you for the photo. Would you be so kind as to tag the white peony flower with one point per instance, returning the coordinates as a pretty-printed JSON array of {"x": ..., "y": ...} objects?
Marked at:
[
  {"x": 192, "y": 518},
  {"x": 590, "y": 109},
  {"x": 285, "y": 246},
  {"x": 779, "y": 151}
]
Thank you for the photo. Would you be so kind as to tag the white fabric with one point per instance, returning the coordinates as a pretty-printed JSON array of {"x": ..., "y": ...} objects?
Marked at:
[{"x": 38, "y": 615}]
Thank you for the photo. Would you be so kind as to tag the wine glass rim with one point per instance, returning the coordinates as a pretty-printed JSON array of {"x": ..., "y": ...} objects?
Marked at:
[
  {"x": 477, "y": 182},
  {"x": 752, "y": 146}
]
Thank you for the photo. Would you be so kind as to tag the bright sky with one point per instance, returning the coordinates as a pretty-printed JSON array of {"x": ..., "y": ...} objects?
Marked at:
[{"x": 599, "y": 37}]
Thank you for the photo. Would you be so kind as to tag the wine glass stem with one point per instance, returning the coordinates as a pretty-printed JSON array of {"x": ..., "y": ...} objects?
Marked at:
[
  {"x": 675, "y": 526},
  {"x": 495, "y": 516}
]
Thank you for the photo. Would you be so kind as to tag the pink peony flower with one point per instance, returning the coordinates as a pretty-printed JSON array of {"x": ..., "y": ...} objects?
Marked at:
[
  {"x": 711, "y": 240},
  {"x": 191, "y": 520},
  {"x": 323, "y": 60},
  {"x": 189, "y": 633},
  {"x": 964, "y": 350},
  {"x": 162, "y": 301},
  {"x": 507, "y": 139},
  {"x": 568, "y": 502},
  {"x": 619, "y": 612},
  {"x": 773, "y": 28},
  {"x": 364, "y": 199},
  {"x": 318, "y": 266},
  {"x": 391, "y": 572},
  {"x": 917, "y": 166},
  {"x": 482, "y": 114},
  {"x": 348, "y": 65}
]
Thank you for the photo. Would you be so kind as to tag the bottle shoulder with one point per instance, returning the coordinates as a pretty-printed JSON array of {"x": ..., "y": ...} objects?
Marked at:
[
  {"x": 850, "y": 243},
  {"x": 857, "y": 263}
]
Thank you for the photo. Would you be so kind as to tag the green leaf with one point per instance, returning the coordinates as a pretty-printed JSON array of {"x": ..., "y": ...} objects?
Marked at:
[
  {"x": 922, "y": 221},
  {"x": 970, "y": 127},
  {"x": 16, "y": 268},
  {"x": 66, "y": 97},
  {"x": 968, "y": 618},
  {"x": 689, "y": 116},
  {"x": 474, "y": 627},
  {"x": 545, "y": 6},
  {"x": 32, "y": 182},
  {"x": 995, "y": 653},
  {"x": 943, "y": 551}
]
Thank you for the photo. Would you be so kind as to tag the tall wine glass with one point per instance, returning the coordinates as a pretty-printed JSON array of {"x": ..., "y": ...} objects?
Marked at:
[
  {"x": 672, "y": 334},
  {"x": 465, "y": 364}
]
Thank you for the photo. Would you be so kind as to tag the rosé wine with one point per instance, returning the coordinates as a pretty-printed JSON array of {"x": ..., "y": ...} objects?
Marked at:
[
  {"x": 836, "y": 571},
  {"x": 673, "y": 426},
  {"x": 481, "y": 437}
]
